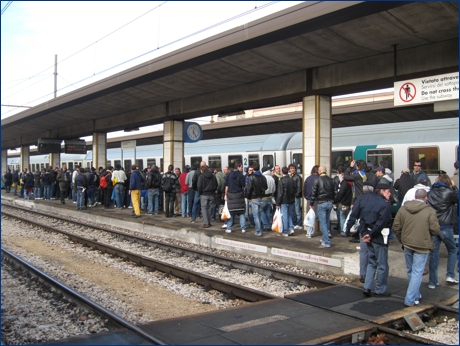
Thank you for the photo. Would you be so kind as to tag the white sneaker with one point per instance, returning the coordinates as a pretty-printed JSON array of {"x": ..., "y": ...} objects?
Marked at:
[
  {"x": 224, "y": 226},
  {"x": 130, "y": 207},
  {"x": 74, "y": 202},
  {"x": 291, "y": 231},
  {"x": 308, "y": 235},
  {"x": 452, "y": 280},
  {"x": 228, "y": 231},
  {"x": 329, "y": 234},
  {"x": 297, "y": 227},
  {"x": 243, "y": 231}
]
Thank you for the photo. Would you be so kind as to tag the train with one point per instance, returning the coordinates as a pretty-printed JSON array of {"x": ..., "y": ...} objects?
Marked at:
[{"x": 433, "y": 142}]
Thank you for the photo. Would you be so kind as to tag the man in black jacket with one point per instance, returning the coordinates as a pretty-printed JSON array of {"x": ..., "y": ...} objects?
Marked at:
[
  {"x": 207, "y": 186},
  {"x": 323, "y": 195},
  {"x": 255, "y": 191},
  {"x": 285, "y": 199}
]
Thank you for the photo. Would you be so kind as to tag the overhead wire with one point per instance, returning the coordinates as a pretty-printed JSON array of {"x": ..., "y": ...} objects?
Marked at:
[{"x": 141, "y": 55}]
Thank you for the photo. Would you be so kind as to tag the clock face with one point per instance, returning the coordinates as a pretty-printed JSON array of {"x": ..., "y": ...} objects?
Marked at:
[{"x": 193, "y": 132}]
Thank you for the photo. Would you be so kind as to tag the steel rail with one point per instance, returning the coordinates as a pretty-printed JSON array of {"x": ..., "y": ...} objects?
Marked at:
[{"x": 82, "y": 300}]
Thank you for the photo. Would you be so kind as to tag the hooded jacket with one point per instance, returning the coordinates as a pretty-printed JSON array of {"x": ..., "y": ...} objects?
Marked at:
[
  {"x": 442, "y": 199},
  {"x": 207, "y": 184},
  {"x": 414, "y": 225}
]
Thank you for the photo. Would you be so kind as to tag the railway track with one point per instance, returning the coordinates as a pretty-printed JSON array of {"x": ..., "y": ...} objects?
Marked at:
[
  {"x": 60, "y": 294},
  {"x": 187, "y": 275}
]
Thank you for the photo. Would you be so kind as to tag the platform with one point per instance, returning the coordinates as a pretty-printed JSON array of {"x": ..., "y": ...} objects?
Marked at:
[{"x": 341, "y": 259}]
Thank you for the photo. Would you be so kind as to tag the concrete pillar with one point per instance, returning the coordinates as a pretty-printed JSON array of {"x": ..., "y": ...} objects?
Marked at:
[
  {"x": 173, "y": 144},
  {"x": 4, "y": 168},
  {"x": 55, "y": 160},
  {"x": 99, "y": 150},
  {"x": 317, "y": 134},
  {"x": 24, "y": 162}
]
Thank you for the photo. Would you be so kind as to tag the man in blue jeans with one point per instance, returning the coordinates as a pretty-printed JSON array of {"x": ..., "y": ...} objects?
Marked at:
[
  {"x": 323, "y": 195},
  {"x": 153, "y": 190},
  {"x": 255, "y": 191},
  {"x": 443, "y": 197},
  {"x": 414, "y": 225},
  {"x": 285, "y": 200}
]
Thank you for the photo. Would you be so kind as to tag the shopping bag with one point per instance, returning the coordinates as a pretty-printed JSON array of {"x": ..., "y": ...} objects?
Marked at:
[
  {"x": 333, "y": 216},
  {"x": 225, "y": 213},
  {"x": 310, "y": 219},
  {"x": 353, "y": 228},
  {"x": 114, "y": 195},
  {"x": 277, "y": 224}
]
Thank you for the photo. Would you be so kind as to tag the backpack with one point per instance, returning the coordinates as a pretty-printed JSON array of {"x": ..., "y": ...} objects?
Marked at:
[
  {"x": 103, "y": 181},
  {"x": 167, "y": 184}
]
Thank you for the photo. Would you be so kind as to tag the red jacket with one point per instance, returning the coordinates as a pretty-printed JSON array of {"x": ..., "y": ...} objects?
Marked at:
[{"x": 183, "y": 185}]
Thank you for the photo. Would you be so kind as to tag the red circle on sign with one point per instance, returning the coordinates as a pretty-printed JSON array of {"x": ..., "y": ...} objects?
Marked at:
[{"x": 407, "y": 92}]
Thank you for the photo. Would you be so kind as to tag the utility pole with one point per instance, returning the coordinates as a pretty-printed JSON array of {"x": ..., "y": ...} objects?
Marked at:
[{"x": 55, "y": 75}]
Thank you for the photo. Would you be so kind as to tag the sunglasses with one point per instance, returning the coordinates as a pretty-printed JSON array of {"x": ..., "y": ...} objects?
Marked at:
[{"x": 418, "y": 165}]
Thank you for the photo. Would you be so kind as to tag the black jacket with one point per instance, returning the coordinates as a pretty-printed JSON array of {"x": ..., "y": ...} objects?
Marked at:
[
  {"x": 257, "y": 184},
  {"x": 8, "y": 178},
  {"x": 344, "y": 195},
  {"x": 286, "y": 191},
  {"x": 48, "y": 179},
  {"x": 154, "y": 179},
  {"x": 323, "y": 190},
  {"x": 357, "y": 179},
  {"x": 207, "y": 184},
  {"x": 298, "y": 185},
  {"x": 443, "y": 199},
  {"x": 404, "y": 184}
]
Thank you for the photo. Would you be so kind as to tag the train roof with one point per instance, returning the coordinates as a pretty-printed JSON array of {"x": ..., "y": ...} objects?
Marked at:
[{"x": 426, "y": 131}]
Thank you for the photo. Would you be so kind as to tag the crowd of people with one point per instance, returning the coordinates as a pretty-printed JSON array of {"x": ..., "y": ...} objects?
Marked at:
[{"x": 360, "y": 195}]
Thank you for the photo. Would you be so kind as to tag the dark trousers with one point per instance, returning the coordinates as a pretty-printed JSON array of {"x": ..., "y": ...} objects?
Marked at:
[
  {"x": 169, "y": 203},
  {"x": 63, "y": 195},
  {"x": 107, "y": 196}
]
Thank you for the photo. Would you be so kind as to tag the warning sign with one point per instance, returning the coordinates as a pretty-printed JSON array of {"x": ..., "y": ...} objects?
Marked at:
[{"x": 427, "y": 90}]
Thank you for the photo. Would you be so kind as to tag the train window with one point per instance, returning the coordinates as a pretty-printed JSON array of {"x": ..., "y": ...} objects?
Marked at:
[
  {"x": 214, "y": 162},
  {"x": 42, "y": 165},
  {"x": 233, "y": 158},
  {"x": 378, "y": 155},
  {"x": 268, "y": 161},
  {"x": 88, "y": 164},
  {"x": 116, "y": 163},
  {"x": 128, "y": 164},
  {"x": 47, "y": 165},
  {"x": 297, "y": 161},
  {"x": 161, "y": 164},
  {"x": 340, "y": 158},
  {"x": 253, "y": 159},
  {"x": 140, "y": 164},
  {"x": 195, "y": 160},
  {"x": 428, "y": 156},
  {"x": 151, "y": 162},
  {"x": 70, "y": 165}
]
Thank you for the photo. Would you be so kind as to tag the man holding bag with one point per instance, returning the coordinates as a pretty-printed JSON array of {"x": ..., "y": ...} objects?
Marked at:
[{"x": 285, "y": 200}]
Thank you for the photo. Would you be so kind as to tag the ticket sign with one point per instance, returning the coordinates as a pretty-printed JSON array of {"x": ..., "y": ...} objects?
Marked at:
[
  {"x": 432, "y": 89},
  {"x": 75, "y": 147}
]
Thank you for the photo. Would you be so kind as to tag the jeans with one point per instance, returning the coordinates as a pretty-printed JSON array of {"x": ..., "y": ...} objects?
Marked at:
[
  {"x": 48, "y": 189},
  {"x": 36, "y": 192},
  {"x": 342, "y": 217},
  {"x": 15, "y": 188},
  {"x": 242, "y": 221},
  {"x": 415, "y": 264},
  {"x": 191, "y": 199},
  {"x": 363, "y": 257},
  {"x": 288, "y": 213},
  {"x": 378, "y": 263},
  {"x": 74, "y": 195},
  {"x": 153, "y": 201},
  {"x": 447, "y": 237},
  {"x": 266, "y": 213},
  {"x": 207, "y": 202},
  {"x": 196, "y": 205},
  {"x": 298, "y": 212},
  {"x": 119, "y": 191},
  {"x": 80, "y": 199},
  {"x": 324, "y": 212},
  {"x": 184, "y": 204},
  {"x": 256, "y": 211}
]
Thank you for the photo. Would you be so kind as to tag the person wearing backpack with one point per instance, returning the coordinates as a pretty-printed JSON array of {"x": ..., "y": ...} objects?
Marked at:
[
  {"x": 135, "y": 188},
  {"x": 153, "y": 190},
  {"x": 106, "y": 185},
  {"x": 63, "y": 178},
  {"x": 169, "y": 184}
]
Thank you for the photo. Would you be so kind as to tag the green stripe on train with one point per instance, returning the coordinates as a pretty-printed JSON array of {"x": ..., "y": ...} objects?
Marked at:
[{"x": 360, "y": 152}]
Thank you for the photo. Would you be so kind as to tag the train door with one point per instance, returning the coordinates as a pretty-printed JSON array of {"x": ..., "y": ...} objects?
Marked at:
[
  {"x": 127, "y": 164},
  {"x": 251, "y": 160},
  {"x": 140, "y": 164},
  {"x": 116, "y": 163},
  {"x": 297, "y": 161},
  {"x": 375, "y": 156},
  {"x": 268, "y": 161},
  {"x": 151, "y": 162},
  {"x": 340, "y": 158},
  {"x": 233, "y": 158}
]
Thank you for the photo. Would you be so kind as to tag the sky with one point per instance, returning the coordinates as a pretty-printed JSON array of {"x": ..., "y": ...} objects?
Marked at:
[{"x": 96, "y": 39}]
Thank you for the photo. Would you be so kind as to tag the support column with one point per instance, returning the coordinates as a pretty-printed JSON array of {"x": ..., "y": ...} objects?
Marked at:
[
  {"x": 55, "y": 160},
  {"x": 4, "y": 168},
  {"x": 24, "y": 162},
  {"x": 173, "y": 144},
  {"x": 99, "y": 150},
  {"x": 317, "y": 134}
]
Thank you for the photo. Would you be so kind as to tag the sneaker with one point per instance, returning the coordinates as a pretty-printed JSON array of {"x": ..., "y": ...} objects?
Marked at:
[
  {"x": 193, "y": 221},
  {"x": 325, "y": 246},
  {"x": 74, "y": 202},
  {"x": 259, "y": 234},
  {"x": 243, "y": 231},
  {"x": 285, "y": 234},
  {"x": 329, "y": 234},
  {"x": 297, "y": 227},
  {"x": 431, "y": 287},
  {"x": 308, "y": 235},
  {"x": 224, "y": 226},
  {"x": 343, "y": 234},
  {"x": 228, "y": 231},
  {"x": 291, "y": 231},
  {"x": 130, "y": 207},
  {"x": 452, "y": 280}
]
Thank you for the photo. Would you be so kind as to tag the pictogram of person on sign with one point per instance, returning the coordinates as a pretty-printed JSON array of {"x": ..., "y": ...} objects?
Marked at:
[{"x": 407, "y": 89}]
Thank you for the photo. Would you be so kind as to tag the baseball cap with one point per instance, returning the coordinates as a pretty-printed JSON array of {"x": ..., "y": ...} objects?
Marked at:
[
  {"x": 187, "y": 167},
  {"x": 380, "y": 168},
  {"x": 405, "y": 170},
  {"x": 441, "y": 172},
  {"x": 382, "y": 186}
]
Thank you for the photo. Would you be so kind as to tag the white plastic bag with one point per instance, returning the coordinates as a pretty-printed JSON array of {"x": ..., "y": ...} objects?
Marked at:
[
  {"x": 277, "y": 224},
  {"x": 225, "y": 213},
  {"x": 333, "y": 216},
  {"x": 353, "y": 228},
  {"x": 310, "y": 219}
]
